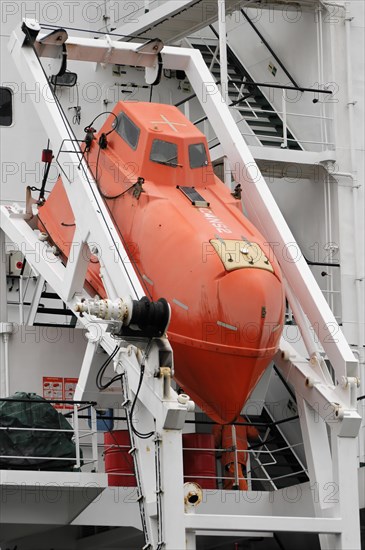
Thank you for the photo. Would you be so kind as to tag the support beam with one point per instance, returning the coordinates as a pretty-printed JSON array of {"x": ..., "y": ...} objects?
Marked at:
[
  {"x": 214, "y": 522},
  {"x": 332, "y": 403},
  {"x": 345, "y": 497},
  {"x": 5, "y": 326}
]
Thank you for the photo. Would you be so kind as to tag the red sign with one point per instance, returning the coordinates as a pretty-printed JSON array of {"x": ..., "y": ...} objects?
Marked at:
[
  {"x": 69, "y": 387},
  {"x": 53, "y": 389}
]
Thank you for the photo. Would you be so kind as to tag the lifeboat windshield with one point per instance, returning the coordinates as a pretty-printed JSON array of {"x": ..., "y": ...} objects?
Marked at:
[
  {"x": 127, "y": 130},
  {"x": 164, "y": 152},
  {"x": 197, "y": 155}
]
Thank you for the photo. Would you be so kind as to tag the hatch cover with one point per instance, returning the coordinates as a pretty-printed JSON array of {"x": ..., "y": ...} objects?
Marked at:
[
  {"x": 236, "y": 254},
  {"x": 194, "y": 197}
]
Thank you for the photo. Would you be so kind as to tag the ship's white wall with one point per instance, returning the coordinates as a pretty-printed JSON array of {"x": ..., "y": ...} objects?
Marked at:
[
  {"x": 291, "y": 33},
  {"x": 320, "y": 215},
  {"x": 35, "y": 352}
]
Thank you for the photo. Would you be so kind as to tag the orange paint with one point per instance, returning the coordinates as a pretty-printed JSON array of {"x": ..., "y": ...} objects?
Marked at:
[{"x": 226, "y": 324}]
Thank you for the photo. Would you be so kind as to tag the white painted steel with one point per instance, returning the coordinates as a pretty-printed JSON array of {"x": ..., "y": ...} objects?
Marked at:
[
  {"x": 91, "y": 215},
  {"x": 5, "y": 327},
  {"x": 215, "y": 522}
]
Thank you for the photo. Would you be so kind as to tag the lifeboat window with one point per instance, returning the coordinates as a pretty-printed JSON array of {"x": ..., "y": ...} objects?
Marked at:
[
  {"x": 127, "y": 130},
  {"x": 198, "y": 155},
  {"x": 6, "y": 107},
  {"x": 164, "y": 152}
]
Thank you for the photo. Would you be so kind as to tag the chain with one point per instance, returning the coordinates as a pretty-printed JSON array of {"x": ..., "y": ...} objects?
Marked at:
[
  {"x": 133, "y": 452},
  {"x": 159, "y": 492}
]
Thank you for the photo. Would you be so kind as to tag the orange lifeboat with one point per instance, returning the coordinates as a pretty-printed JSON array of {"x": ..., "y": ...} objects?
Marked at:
[{"x": 191, "y": 244}]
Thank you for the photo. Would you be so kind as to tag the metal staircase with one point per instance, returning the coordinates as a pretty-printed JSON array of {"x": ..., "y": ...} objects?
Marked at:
[
  {"x": 273, "y": 457},
  {"x": 172, "y": 20},
  {"x": 46, "y": 305},
  {"x": 61, "y": 311},
  {"x": 248, "y": 99}
]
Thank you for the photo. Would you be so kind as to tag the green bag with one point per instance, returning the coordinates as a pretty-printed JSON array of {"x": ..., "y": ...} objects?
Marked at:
[{"x": 34, "y": 412}]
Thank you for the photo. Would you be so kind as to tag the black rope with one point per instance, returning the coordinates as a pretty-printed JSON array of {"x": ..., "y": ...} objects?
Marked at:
[
  {"x": 101, "y": 372},
  {"x": 257, "y": 424},
  {"x": 47, "y": 26},
  {"x": 130, "y": 415}
]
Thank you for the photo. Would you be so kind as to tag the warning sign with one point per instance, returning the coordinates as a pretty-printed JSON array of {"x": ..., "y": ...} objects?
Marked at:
[
  {"x": 69, "y": 385},
  {"x": 59, "y": 389},
  {"x": 53, "y": 389}
]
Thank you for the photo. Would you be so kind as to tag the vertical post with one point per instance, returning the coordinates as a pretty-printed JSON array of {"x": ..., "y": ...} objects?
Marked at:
[
  {"x": 172, "y": 489},
  {"x": 77, "y": 436},
  {"x": 35, "y": 300},
  {"x": 190, "y": 540},
  {"x": 21, "y": 300},
  {"x": 320, "y": 68},
  {"x": 234, "y": 441},
  {"x": 346, "y": 491},
  {"x": 94, "y": 438},
  {"x": 223, "y": 48},
  {"x": 248, "y": 471},
  {"x": 187, "y": 109},
  {"x": 284, "y": 144},
  {"x": 5, "y": 327}
]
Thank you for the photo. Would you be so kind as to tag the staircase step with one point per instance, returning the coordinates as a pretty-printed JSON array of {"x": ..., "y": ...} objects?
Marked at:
[
  {"x": 53, "y": 311},
  {"x": 269, "y": 125},
  {"x": 50, "y": 295},
  {"x": 53, "y": 325},
  {"x": 263, "y": 123}
]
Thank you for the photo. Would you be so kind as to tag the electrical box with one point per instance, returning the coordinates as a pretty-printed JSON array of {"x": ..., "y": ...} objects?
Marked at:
[{"x": 15, "y": 263}]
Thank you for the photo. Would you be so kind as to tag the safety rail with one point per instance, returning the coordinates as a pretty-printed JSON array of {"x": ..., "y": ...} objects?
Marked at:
[
  {"x": 241, "y": 103},
  {"x": 282, "y": 141},
  {"x": 215, "y": 59},
  {"x": 86, "y": 443},
  {"x": 249, "y": 478},
  {"x": 78, "y": 433}
]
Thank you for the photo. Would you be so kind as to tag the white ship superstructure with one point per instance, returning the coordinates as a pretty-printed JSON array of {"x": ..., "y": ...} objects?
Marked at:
[{"x": 277, "y": 88}]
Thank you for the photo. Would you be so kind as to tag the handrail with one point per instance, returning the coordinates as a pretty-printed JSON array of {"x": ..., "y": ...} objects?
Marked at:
[
  {"x": 249, "y": 83},
  {"x": 76, "y": 432},
  {"x": 54, "y": 401}
]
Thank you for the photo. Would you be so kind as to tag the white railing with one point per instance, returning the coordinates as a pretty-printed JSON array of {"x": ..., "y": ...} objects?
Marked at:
[
  {"x": 236, "y": 478},
  {"x": 284, "y": 141},
  {"x": 83, "y": 438}
]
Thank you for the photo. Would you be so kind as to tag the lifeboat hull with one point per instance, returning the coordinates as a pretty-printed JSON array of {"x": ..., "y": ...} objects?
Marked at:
[{"x": 191, "y": 244}]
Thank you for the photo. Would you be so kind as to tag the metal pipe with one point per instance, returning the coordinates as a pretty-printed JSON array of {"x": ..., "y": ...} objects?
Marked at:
[
  {"x": 321, "y": 71},
  {"x": 6, "y": 363},
  {"x": 234, "y": 441},
  {"x": 223, "y": 48},
  {"x": 94, "y": 438},
  {"x": 77, "y": 436},
  {"x": 284, "y": 144},
  {"x": 280, "y": 87},
  {"x": 301, "y": 321},
  {"x": 356, "y": 200},
  {"x": 3, "y": 313}
]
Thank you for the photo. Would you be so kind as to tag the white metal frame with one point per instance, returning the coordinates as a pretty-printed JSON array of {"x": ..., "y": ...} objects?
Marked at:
[{"x": 310, "y": 379}]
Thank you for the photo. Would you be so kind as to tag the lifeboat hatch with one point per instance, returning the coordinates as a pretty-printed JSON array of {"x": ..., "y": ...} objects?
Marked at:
[
  {"x": 194, "y": 197},
  {"x": 241, "y": 254}
]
